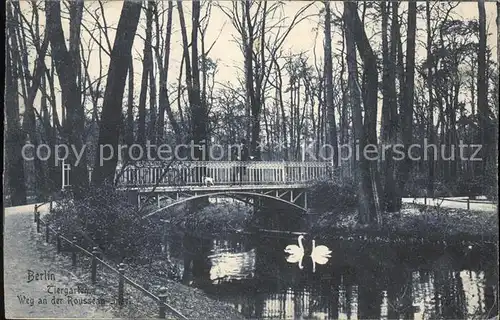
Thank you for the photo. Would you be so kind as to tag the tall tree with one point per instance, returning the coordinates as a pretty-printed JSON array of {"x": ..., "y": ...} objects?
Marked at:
[
  {"x": 67, "y": 65},
  {"x": 482, "y": 88},
  {"x": 330, "y": 109},
  {"x": 163, "y": 65},
  {"x": 367, "y": 207},
  {"x": 115, "y": 87},
  {"x": 430, "y": 123},
  {"x": 129, "y": 129},
  {"x": 389, "y": 106},
  {"x": 197, "y": 109},
  {"x": 30, "y": 83},
  {"x": 408, "y": 95},
  {"x": 14, "y": 138},
  {"x": 146, "y": 70}
]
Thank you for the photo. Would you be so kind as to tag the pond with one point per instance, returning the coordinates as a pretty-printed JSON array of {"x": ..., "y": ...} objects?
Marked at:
[{"x": 360, "y": 279}]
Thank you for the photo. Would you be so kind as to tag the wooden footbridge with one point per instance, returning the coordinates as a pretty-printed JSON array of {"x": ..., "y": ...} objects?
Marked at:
[
  {"x": 180, "y": 182},
  {"x": 169, "y": 184}
]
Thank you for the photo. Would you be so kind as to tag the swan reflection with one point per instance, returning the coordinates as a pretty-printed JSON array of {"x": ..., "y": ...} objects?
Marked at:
[{"x": 319, "y": 254}]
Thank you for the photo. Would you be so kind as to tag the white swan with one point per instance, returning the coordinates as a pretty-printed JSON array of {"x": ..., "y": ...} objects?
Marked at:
[
  {"x": 296, "y": 249},
  {"x": 319, "y": 254},
  {"x": 296, "y": 252}
]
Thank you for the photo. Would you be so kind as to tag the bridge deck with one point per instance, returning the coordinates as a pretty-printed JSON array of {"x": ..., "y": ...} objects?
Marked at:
[
  {"x": 226, "y": 175},
  {"x": 215, "y": 188}
]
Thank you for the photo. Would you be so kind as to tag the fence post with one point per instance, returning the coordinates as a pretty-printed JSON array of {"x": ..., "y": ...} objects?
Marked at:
[
  {"x": 425, "y": 200},
  {"x": 38, "y": 222},
  {"x": 46, "y": 232},
  {"x": 50, "y": 205},
  {"x": 121, "y": 282},
  {"x": 58, "y": 240},
  {"x": 163, "y": 298},
  {"x": 35, "y": 211},
  {"x": 73, "y": 253},
  {"x": 468, "y": 204},
  {"x": 95, "y": 253}
]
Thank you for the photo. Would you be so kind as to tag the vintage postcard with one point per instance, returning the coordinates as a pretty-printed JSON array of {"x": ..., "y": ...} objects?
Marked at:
[{"x": 251, "y": 159}]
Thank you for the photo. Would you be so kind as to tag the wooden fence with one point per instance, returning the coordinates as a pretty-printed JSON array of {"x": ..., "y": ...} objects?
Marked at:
[{"x": 97, "y": 258}]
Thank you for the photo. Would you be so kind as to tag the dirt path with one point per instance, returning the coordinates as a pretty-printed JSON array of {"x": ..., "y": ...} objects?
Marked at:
[
  {"x": 453, "y": 203},
  {"x": 37, "y": 298}
]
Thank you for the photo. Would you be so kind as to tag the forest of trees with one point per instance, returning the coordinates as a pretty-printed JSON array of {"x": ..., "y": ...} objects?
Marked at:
[{"x": 388, "y": 72}]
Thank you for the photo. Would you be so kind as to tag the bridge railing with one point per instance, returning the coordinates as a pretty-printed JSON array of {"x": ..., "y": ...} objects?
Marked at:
[{"x": 221, "y": 172}]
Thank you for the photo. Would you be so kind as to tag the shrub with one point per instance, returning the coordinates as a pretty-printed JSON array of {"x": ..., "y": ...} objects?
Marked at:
[
  {"x": 103, "y": 217},
  {"x": 334, "y": 195}
]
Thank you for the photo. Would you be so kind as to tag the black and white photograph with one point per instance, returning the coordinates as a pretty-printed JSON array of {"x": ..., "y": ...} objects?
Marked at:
[{"x": 251, "y": 159}]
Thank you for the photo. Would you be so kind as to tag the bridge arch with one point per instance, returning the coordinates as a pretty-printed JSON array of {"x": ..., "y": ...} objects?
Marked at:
[{"x": 225, "y": 193}]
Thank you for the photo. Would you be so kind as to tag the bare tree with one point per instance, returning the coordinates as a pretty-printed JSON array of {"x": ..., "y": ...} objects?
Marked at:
[
  {"x": 163, "y": 65},
  {"x": 260, "y": 42},
  {"x": 367, "y": 208},
  {"x": 482, "y": 87},
  {"x": 197, "y": 109},
  {"x": 146, "y": 69},
  {"x": 14, "y": 138},
  {"x": 67, "y": 64},
  {"x": 112, "y": 105},
  {"x": 332, "y": 127},
  {"x": 408, "y": 94},
  {"x": 389, "y": 108}
]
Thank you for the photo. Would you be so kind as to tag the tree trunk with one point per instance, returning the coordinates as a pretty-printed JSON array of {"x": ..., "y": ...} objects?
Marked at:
[
  {"x": 14, "y": 138},
  {"x": 389, "y": 108},
  {"x": 112, "y": 105},
  {"x": 330, "y": 109},
  {"x": 198, "y": 114},
  {"x": 67, "y": 64},
  {"x": 408, "y": 95},
  {"x": 366, "y": 208},
  {"x": 152, "y": 81},
  {"x": 164, "y": 103},
  {"x": 129, "y": 134},
  {"x": 430, "y": 125},
  {"x": 146, "y": 65},
  {"x": 30, "y": 85},
  {"x": 370, "y": 102},
  {"x": 482, "y": 89}
]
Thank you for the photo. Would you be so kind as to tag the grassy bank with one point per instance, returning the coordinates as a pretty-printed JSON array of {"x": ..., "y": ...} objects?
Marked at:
[
  {"x": 415, "y": 222},
  {"x": 191, "y": 302},
  {"x": 105, "y": 219},
  {"x": 335, "y": 203}
]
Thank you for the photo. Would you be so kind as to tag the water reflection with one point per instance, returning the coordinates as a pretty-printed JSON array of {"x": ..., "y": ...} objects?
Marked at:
[
  {"x": 364, "y": 281},
  {"x": 319, "y": 254},
  {"x": 228, "y": 265}
]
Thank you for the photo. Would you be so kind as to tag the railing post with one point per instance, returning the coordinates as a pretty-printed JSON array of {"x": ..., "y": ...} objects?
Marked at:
[
  {"x": 121, "y": 282},
  {"x": 38, "y": 222},
  {"x": 163, "y": 298},
  {"x": 58, "y": 240},
  {"x": 73, "y": 253},
  {"x": 95, "y": 253},
  {"x": 46, "y": 232}
]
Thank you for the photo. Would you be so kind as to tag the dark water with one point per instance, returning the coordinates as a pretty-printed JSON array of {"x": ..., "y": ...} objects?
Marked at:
[{"x": 361, "y": 280}]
